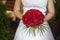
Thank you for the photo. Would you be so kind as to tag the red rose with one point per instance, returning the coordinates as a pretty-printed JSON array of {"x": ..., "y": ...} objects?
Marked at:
[{"x": 33, "y": 17}]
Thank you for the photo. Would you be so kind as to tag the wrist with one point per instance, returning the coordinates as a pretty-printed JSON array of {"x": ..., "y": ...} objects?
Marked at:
[
  {"x": 21, "y": 16},
  {"x": 45, "y": 20}
]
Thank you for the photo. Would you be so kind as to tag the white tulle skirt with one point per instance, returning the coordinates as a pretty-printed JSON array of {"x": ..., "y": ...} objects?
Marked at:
[{"x": 21, "y": 33}]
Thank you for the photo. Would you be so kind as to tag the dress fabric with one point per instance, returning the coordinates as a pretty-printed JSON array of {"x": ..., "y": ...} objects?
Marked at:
[{"x": 21, "y": 33}]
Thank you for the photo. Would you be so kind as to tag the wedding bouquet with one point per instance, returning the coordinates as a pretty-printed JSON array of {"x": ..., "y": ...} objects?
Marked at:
[{"x": 34, "y": 18}]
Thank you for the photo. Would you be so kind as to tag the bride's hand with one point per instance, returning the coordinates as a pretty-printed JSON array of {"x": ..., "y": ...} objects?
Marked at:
[
  {"x": 14, "y": 18},
  {"x": 21, "y": 16},
  {"x": 45, "y": 19}
]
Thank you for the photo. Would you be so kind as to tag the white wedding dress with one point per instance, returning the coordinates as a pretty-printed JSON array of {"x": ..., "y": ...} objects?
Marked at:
[{"x": 21, "y": 33}]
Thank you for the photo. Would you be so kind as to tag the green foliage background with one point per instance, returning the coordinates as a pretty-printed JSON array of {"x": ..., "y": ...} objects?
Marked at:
[
  {"x": 5, "y": 31},
  {"x": 57, "y": 6}
]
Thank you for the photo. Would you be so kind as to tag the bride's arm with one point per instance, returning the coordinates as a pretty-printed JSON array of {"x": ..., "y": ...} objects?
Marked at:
[
  {"x": 17, "y": 9},
  {"x": 51, "y": 10}
]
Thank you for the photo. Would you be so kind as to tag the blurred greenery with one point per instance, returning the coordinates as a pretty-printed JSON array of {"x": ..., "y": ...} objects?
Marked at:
[
  {"x": 5, "y": 31},
  {"x": 57, "y": 6}
]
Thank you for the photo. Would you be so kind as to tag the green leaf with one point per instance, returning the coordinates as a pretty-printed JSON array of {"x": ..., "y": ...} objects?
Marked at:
[{"x": 32, "y": 31}]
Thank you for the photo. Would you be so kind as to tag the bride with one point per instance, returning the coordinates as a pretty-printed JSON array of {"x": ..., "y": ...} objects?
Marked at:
[{"x": 45, "y": 6}]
